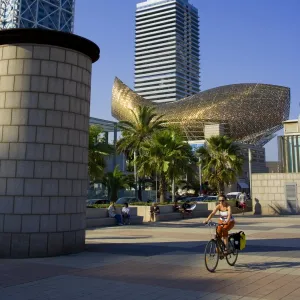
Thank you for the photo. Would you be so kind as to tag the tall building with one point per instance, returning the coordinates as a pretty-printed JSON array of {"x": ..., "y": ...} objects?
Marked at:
[
  {"x": 47, "y": 14},
  {"x": 166, "y": 50}
]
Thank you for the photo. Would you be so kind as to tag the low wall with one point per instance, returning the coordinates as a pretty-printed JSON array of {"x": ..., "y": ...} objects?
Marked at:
[
  {"x": 103, "y": 213},
  {"x": 234, "y": 209},
  {"x": 201, "y": 210},
  {"x": 98, "y": 217},
  {"x": 268, "y": 192}
]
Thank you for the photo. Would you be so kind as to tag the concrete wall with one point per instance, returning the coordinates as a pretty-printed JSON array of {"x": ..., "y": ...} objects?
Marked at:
[
  {"x": 44, "y": 121},
  {"x": 268, "y": 190}
]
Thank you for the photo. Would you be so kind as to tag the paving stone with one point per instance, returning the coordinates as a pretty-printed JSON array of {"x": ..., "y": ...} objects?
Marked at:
[{"x": 154, "y": 261}]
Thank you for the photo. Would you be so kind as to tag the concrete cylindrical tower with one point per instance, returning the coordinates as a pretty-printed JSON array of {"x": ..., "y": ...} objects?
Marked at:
[{"x": 45, "y": 79}]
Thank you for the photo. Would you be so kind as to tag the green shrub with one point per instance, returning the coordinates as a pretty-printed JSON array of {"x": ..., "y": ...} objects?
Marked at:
[
  {"x": 102, "y": 205},
  {"x": 148, "y": 204},
  {"x": 130, "y": 204}
]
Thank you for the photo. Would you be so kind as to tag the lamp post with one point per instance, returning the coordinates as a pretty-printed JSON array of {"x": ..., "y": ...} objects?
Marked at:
[
  {"x": 250, "y": 170},
  {"x": 173, "y": 189},
  {"x": 200, "y": 176},
  {"x": 135, "y": 174},
  {"x": 156, "y": 187}
]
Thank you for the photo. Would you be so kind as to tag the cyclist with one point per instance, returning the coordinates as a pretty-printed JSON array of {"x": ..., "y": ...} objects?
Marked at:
[{"x": 226, "y": 221}]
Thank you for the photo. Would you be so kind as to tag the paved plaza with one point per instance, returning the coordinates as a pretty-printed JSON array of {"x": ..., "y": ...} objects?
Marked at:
[{"x": 164, "y": 261}]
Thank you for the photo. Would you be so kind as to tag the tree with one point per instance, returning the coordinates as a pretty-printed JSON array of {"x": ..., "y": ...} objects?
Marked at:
[
  {"x": 98, "y": 150},
  {"x": 166, "y": 154},
  {"x": 221, "y": 161},
  {"x": 114, "y": 181},
  {"x": 145, "y": 123}
]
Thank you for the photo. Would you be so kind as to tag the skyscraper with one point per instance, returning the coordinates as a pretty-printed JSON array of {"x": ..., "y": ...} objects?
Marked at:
[
  {"x": 47, "y": 14},
  {"x": 166, "y": 50}
]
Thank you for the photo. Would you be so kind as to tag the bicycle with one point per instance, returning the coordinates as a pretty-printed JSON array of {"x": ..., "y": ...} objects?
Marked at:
[{"x": 215, "y": 250}]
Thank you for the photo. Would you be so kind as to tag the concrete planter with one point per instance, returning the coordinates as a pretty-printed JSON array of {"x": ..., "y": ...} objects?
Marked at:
[
  {"x": 202, "y": 206},
  {"x": 165, "y": 209},
  {"x": 93, "y": 213},
  {"x": 144, "y": 211}
]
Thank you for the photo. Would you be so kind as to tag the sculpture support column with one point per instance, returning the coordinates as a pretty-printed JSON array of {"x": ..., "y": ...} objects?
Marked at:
[{"x": 44, "y": 121}]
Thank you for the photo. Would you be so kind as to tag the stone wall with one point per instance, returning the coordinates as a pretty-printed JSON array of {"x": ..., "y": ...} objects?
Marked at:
[
  {"x": 44, "y": 121},
  {"x": 268, "y": 190}
]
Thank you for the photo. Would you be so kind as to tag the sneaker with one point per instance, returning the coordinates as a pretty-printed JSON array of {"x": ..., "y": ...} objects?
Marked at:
[{"x": 120, "y": 224}]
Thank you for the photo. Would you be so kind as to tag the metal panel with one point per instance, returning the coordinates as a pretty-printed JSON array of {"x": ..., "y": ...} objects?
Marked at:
[
  {"x": 55, "y": 15},
  {"x": 291, "y": 197}
]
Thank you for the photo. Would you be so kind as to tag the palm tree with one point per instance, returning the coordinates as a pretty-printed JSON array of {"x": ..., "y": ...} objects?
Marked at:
[
  {"x": 166, "y": 154},
  {"x": 144, "y": 123},
  {"x": 98, "y": 150},
  {"x": 114, "y": 181},
  {"x": 221, "y": 161}
]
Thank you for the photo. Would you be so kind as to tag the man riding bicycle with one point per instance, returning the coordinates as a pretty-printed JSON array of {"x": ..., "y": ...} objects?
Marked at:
[{"x": 226, "y": 221}]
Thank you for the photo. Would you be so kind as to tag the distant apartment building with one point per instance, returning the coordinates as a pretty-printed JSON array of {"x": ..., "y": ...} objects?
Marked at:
[
  {"x": 46, "y": 14},
  {"x": 166, "y": 50}
]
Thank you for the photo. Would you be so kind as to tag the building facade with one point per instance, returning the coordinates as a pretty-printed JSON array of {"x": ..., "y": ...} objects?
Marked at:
[
  {"x": 166, "y": 50},
  {"x": 274, "y": 167},
  {"x": 47, "y": 14},
  {"x": 289, "y": 147}
]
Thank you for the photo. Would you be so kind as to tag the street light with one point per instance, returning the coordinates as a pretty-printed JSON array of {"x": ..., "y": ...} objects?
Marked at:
[
  {"x": 135, "y": 174},
  {"x": 250, "y": 170},
  {"x": 156, "y": 187},
  {"x": 200, "y": 175}
]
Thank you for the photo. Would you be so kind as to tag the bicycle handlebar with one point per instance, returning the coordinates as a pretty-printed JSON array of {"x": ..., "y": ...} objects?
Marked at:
[{"x": 213, "y": 224}]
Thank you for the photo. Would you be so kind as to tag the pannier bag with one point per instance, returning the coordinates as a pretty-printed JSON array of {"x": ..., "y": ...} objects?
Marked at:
[{"x": 239, "y": 240}]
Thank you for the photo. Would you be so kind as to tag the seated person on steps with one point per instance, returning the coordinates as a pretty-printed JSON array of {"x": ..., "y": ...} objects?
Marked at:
[
  {"x": 176, "y": 206},
  {"x": 154, "y": 210},
  {"x": 112, "y": 213},
  {"x": 186, "y": 206},
  {"x": 126, "y": 214}
]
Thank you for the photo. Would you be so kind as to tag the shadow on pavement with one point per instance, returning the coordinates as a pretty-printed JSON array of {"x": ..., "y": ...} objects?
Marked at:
[
  {"x": 121, "y": 237},
  {"x": 151, "y": 249},
  {"x": 269, "y": 265}
]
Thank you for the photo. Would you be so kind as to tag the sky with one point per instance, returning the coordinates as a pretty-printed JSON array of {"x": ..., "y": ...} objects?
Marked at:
[{"x": 248, "y": 41}]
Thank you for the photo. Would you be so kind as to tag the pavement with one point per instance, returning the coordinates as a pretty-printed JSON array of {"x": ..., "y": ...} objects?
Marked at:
[{"x": 164, "y": 261}]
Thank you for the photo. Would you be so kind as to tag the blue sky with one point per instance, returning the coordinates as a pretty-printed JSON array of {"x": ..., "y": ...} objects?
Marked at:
[{"x": 240, "y": 41}]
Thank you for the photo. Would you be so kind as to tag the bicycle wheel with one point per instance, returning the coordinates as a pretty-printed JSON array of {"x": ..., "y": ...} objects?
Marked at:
[
  {"x": 233, "y": 253},
  {"x": 211, "y": 256}
]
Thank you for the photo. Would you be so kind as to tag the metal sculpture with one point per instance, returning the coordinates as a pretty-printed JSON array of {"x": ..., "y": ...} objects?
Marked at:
[{"x": 251, "y": 113}]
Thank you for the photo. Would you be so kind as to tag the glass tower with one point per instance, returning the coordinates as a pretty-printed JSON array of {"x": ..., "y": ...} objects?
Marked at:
[
  {"x": 166, "y": 50},
  {"x": 47, "y": 14}
]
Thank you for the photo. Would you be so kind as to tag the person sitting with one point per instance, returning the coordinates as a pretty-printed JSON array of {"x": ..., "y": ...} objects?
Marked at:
[
  {"x": 112, "y": 213},
  {"x": 176, "y": 207},
  {"x": 186, "y": 208},
  {"x": 126, "y": 214},
  {"x": 154, "y": 210}
]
